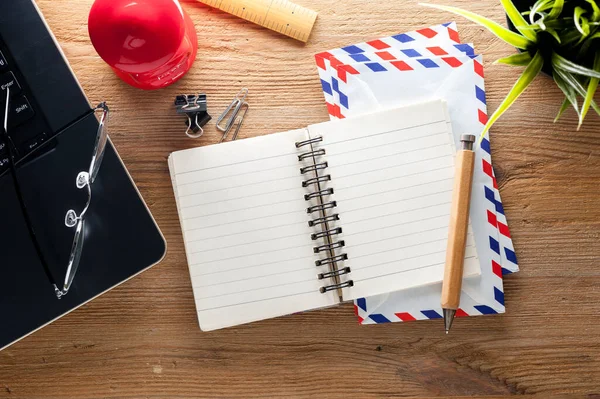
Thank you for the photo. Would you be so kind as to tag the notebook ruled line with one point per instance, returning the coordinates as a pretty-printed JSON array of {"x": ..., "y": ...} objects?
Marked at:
[
  {"x": 384, "y": 133},
  {"x": 398, "y": 247},
  {"x": 240, "y": 198},
  {"x": 252, "y": 278},
  {"x": 236, "y": 186},
  {"x": 332, "y": 167},
  {"x": 250, "y": 267},
  {"x": 295, "y": 153},
  {"x": 404, "y": 259},
  {"x": 256, "y": 301},
  {"x": 254, "y": 289},
  {"x": 329, "y": 155},
  {"x": 242, "y": 209},
  {"x": 389, "y": 167},
  {"x": 293, "y": 177},
  {"x": 254, "y": 254},
  {"x": 394, "y": 237},
  {"x": 389, "y": 156},
  {"x": 237, "y": 221},
  {"x": 304, "y": 222},
  {"x": 395, "y": 202},
  {"x": 404, "y": 188},
  {"x": 377, "y": 158},
  {"x": 295, "y": 166},
  {"x": 248, "y": 243},
  {"x": 406, "y": 271},
  {"x": 247, "y": 231},
  {"x": 236, "y": 164},
  {"x": 337, "y": 178}
]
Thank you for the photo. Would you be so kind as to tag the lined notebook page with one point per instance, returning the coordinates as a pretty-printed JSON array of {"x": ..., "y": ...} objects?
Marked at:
[
  {"x": 245, "y": 227},
  {"x": 392, "y": 173}
]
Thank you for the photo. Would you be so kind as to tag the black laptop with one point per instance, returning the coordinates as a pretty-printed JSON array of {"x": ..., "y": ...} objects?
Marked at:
[{"x": 52, "y": 131}]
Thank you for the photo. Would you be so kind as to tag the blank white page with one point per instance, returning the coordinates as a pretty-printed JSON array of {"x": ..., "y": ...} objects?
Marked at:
[
  {"x": 245, "y": 227},
  {"x": 392, "y": 173}
]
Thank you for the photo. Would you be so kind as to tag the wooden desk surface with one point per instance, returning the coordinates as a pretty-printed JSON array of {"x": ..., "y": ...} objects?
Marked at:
[{"x": 142, "y": 339}]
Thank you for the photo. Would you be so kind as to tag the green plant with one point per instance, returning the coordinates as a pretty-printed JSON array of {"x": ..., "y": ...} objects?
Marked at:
[{"x": 560, "y": 36}]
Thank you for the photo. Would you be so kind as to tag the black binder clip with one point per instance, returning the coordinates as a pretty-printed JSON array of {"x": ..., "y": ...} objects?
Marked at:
[{"x": 195, "y": 108}]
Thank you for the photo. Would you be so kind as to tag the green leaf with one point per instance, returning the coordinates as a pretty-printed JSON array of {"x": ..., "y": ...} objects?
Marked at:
[
  {"x": 517, "y": 19},
  {"x": 591, "y": 90},
  {"x": 558, "y": 23},
  {"x": 512, "y": 38},
  {"x": 588, "y": 42},
  {"x": 581, "y": 22},
  {"x": 562, "y": 109},
  {"x": 532, "y": 70},
  {"x": 570, "y": 79},
  {"x": 560, "y": 62},
  {"x": 520, "y": 59},
  {"x": 568, "y": 90},
  {"x": 538, "y": 8},
  {"x": 556, "y": 9},
  {"x": 569, "y": 36},
  {"x": 554, "y": 34},
  {"x": 596, "y": 10},
  {"x": 594, "y": 36}
]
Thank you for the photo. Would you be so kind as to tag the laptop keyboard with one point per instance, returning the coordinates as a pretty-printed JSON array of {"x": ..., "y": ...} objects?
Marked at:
[{"x": 26, "y": 129}]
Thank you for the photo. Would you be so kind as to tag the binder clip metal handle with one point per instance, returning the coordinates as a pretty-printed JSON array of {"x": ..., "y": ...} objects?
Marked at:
[
  {"x": 194, "y": 129},
  {"x": 195, "y": 109}
]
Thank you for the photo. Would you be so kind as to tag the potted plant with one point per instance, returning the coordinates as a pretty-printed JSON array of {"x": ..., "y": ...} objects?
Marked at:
[{"x": 560, "y": 37}]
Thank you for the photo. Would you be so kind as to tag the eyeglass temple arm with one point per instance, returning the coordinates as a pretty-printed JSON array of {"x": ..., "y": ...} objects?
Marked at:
[
  {"x": 13, "y": 170},
  {"x": 97, "y": 156}
]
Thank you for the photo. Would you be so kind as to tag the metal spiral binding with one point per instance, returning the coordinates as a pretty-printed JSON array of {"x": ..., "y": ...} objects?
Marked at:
[
  {"x": 327, "y": 233},
  {"x": 316, "y": 180},
  {"x": 326, "y": 247},
  {"x": 314, "y": 167},
  {"x": 331, "y": 259},
  {"x": 327, "y": 191},
  {"x": 311, "y": 154},
  {"x": 321, "y": 207},
  {"x": 326, "y": 219},
  {"x": 338, "y": 272},
  {"x": 346, "y": 284},
  {"x": 308, "y": 142}
]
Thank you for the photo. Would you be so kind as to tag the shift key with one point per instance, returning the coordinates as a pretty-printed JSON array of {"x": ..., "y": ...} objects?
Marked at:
[
  {"x": 20, "y": 111},
  {"x": 8, "y": 80}
]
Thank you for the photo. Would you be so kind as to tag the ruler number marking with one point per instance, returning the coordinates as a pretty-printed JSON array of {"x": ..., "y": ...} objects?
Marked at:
[{"x": 287, "y": 17}]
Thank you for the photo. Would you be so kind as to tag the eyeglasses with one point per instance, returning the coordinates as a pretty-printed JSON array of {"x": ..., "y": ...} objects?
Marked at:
[{"x": 84, "y": 180}]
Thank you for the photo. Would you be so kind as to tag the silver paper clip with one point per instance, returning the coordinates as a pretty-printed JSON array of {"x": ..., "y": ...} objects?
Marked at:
[
  {"x": 238, "y": 123},
  {"x": 231, "y": 114}
]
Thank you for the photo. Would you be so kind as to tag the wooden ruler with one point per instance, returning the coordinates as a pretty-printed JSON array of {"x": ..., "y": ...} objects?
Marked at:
[{"x": 279, "y": 15}]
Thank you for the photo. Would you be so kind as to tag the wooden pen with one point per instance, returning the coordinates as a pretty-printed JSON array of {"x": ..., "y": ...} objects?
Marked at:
[{"x": 457, "y": 231}]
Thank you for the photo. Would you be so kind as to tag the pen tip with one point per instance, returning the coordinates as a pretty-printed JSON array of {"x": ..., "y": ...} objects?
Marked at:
[{"x": 448, "y": 318}]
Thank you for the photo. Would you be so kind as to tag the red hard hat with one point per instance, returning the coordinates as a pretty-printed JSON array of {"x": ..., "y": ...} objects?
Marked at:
[{"x": 136, "y": 36}]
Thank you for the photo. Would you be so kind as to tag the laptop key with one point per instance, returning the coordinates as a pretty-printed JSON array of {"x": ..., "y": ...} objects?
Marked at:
[
  {"x": 20, "y": 111},
  {"x": 3, "y": 63},
  {"x": 33, "y": 143},
  {"x": 8, "y": 80},
  {"x": 3, "y": 161}
]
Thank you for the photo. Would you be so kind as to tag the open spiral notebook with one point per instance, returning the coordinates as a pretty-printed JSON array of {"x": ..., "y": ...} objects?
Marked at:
[{"x": 312, "y": 217}]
